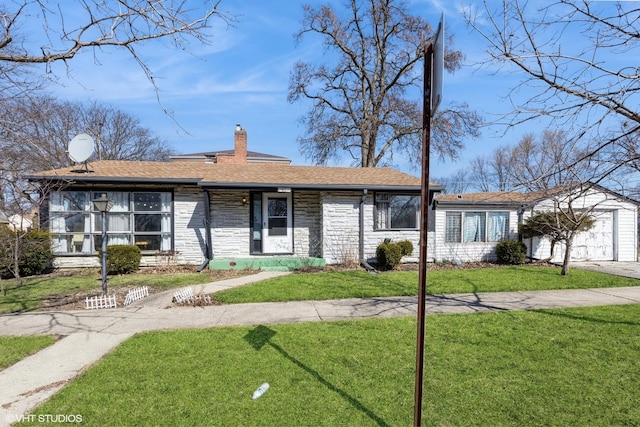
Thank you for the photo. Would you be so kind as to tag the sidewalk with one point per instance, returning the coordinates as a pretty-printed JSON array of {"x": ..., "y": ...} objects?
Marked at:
[{"x": 90, "y": 334}]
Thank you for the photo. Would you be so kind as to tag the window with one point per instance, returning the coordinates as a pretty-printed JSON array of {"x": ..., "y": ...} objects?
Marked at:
[
  {"x": 397, "y": 211},
  {"x": 453, "y": 226},
  {"x": 469, "y": 227},
  {"x": 277, "y": 216},
  {"x": 473, "y": 227},
  {"x": 139, "y": 218},
  {"x": 498, "y": 226}
]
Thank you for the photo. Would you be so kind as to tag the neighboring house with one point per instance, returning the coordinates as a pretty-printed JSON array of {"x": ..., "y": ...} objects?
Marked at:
[
  {"x": 224, "y": 210},
  {"x": 239, "y": 154},
  {"x": 17, "y": 221},
  {"x": 468, "y": 226},
  {"x": 20, "y": 222}
]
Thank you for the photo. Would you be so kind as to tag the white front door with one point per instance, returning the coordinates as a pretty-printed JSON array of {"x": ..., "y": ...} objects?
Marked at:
[{"x": 277, "y": 229}]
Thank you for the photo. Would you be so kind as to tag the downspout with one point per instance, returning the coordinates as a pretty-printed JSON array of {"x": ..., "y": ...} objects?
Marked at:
[
  {"x": 207, "y": 231},
  {"x": 363, "y": 261},
  {"x": 530, "y": 239},
  {"x": 520, "y": 220}
]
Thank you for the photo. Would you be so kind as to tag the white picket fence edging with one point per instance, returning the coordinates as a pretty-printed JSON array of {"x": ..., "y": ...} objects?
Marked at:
[
  {"x": 136, "y": 294},
  {"x": 186, "y": 296},
  {"x": 183, "y": 295},
  {"x": 105, "y": 301}
]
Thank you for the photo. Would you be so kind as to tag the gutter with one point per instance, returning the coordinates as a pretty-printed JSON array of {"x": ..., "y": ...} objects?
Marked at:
[
  {"x": 101, "y": 180},
  {"x": 302, "y": 186},
  {"x": 207, "y": 225}
]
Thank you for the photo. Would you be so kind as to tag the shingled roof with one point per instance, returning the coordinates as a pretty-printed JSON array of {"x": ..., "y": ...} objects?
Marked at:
[
  {"x": 252, "y": 156},
  {"x": 518, "y": 198},
  {"x": 252, "y": 175},
  {"x": 502, "y": 197}
]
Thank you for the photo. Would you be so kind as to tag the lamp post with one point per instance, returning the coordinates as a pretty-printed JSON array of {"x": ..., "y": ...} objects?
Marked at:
[{"x": 104, "y": 205}]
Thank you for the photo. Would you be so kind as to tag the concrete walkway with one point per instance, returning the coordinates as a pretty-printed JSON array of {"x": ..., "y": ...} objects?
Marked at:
[{"x": 90, "y": 334}]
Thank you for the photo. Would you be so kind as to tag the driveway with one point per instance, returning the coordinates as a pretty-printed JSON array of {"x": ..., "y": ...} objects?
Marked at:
[{"x": 617, "y": 268}]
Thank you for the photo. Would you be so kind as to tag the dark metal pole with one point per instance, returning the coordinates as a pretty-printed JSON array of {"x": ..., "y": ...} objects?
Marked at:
[
  {"x": 424, "y": 213},
  {"x": 104, "y": 253}
]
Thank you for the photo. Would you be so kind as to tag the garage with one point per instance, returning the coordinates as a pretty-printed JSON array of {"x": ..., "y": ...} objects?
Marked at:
[{"x": 596, "y": 244}]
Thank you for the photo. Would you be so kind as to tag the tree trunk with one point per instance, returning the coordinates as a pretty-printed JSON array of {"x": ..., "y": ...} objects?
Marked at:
[
  {"x": 17, "y": 247},
  {"x": 552, "y": 250},
  {"x": 567, "y": 256}
]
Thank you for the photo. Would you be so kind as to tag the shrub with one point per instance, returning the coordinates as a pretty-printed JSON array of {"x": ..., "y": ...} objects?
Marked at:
[
  {"x": 35, "y": 256},
  {"x": 511, "y": 252},
  {"x": 388, "y": 255},
  {"x": 406, "y": 247},
  {"x": 122, "y": 259}
]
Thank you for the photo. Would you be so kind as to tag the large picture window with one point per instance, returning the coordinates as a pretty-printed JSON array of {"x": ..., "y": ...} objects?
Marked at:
[
  {"x": 136, "y": 218},
  {"x": 469, "y": 227},
  {"x": 397, "y": 211}
]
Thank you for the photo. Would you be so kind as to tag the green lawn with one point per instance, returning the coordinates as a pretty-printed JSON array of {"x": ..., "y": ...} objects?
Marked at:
[
  {"x": 576, "y": 367},
  {"x": 13, "y": 349},
  {"x": 31, "y": 294},
  {"x": 359, "y": 284},
  {"x": 316, "y": 286}
]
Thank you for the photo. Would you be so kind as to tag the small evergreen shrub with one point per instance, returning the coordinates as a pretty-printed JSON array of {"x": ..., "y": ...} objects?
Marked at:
[
  {"x": 388, "y": 255},
  {"x": 35, "y": 254},
  {"x": 122, "y": 259},
  {"x": 511, "y": 252},
  {"x": 406, "y": 247},
  {"x": 34, "y": 246}
]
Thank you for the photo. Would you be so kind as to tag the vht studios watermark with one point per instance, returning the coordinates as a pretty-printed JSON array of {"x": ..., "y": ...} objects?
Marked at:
[{"x": 45, "y": 418}]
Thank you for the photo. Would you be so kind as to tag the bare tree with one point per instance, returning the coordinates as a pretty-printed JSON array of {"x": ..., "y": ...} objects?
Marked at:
[
  {"x": 562, "y": 222},
  {"x": 362, "y": 104},
  {"x": 34, "y": 135},
  {"x": 577, "y": 58},
  {"x": 94, "y": 26},
  {"x": 551, "y": 168},
  {"x": 22, "y": 245},
  {"x": 457, "y": 183},
  {"x": 535, "y": 163},
  {"x": 37, "y": 132},
  {"x": 491, "y": 173}
]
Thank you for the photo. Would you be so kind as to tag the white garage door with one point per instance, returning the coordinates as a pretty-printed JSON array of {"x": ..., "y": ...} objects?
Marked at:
[{"x": 597, "y": 243}]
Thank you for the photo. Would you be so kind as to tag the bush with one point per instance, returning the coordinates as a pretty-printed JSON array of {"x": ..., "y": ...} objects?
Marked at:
[
  {"x": 511, "y": 252},
  {"x": 122, "y": 259},
  {"x": 406, "y": 247},
  {"x": 35, "y": 256},
  {"x": 388, "y": 255}
]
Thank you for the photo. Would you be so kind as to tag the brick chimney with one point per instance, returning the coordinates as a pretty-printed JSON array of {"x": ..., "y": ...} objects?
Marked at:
[
  {"x": 240, "y": 148},
  {"x": 240, "y": 139}
]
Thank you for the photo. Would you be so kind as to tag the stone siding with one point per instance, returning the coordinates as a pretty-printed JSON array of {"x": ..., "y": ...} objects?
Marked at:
[
  {"x": 230, "y": 224},
  {"x": 307, "y": 229},
  {"x": 189, "y": 227}
]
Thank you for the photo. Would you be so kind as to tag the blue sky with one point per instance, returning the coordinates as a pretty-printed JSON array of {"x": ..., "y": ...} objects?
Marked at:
[{"x": 243, "y": 78}]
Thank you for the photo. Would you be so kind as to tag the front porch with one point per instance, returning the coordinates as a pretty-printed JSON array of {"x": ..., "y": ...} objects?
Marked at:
[{"x": 266, "y": 263}]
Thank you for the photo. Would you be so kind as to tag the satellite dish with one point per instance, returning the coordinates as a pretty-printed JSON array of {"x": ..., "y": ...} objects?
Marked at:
[{"x": 81, "y": 148}]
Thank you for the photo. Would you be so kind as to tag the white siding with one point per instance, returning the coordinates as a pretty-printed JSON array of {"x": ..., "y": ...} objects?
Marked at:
[
  {"x": 472, "y": 251},
  {"x": 621, "y": 233}
]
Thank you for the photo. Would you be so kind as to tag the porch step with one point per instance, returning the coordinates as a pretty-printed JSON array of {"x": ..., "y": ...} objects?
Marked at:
[{"x": 265, "y": 263}]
